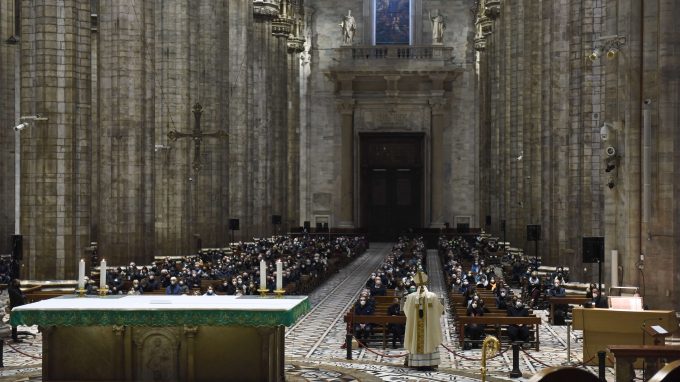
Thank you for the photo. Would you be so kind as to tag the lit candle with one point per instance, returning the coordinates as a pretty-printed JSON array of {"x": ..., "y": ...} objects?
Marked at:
[
  {"x": 263, "y": 274},
  {"x": 279, "y": 275},
  {"x": 102, "y": 275},
  {"x": 81, "y": 274}
]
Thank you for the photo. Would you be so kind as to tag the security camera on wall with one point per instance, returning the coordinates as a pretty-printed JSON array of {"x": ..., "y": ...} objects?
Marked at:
[{"x": 611, "y": 151}]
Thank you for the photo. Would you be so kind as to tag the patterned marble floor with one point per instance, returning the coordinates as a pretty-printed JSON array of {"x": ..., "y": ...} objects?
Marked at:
[{"x": 314, "y": 344}]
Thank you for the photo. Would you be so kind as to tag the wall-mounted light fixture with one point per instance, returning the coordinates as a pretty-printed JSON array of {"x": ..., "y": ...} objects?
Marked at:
[{"x": 608, "y": 45}]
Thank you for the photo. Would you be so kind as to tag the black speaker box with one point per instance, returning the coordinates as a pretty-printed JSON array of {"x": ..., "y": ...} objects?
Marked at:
[
  {"x": 488, "y": 220},
  {"x": 276, "y": 219},
  {"x": 17, "y": 247},
  {"x": 462, "y": 228},
  {"x": 593, "y": 249},
  {"x": 533, "y": 232},
  {"x": 234, "y": 224}
]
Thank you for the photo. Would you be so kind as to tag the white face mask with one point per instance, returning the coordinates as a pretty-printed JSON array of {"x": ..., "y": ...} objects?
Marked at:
[
  {"x": 518, "y": 304},
  {"x": 362, "y": 302},
  {"x": 474, "y": 306}
]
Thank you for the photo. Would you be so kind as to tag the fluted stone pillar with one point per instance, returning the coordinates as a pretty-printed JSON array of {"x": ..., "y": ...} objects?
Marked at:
[
  {"x": 437, "y": 219},
  {"x": 281, "y": 30},
  {"x": 295, "y": 47},
  {"x": 9, "y": 111},
  {"x": 173, "y": 178},
  {"x": 209, "y": 79},
  {"x": 346, "y": 108},
  {"x": 55, "y": 54},
  {"x": 263, "y": 118},
  {"x": 240, "y": 63},
  {"x": 126, "y": 131}
]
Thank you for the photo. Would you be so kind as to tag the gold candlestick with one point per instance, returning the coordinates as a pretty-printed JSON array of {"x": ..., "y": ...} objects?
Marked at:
[
  {"x": 81, "y": 292},
  {"x": 279, "y": 292},
  {"x": 263, "y": 292},
  {"x": 103, "y": 292}
]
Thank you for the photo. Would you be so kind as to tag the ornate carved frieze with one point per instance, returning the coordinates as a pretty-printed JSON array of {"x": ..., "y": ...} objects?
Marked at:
[
  {"x": 282, "y": 27},
  {"x": 267, "y": 9}
]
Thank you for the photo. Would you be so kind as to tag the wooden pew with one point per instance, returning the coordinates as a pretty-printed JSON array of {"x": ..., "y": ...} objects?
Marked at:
[
  {"x": 381, "y": 320},
  {"x": 498, "y": 322},
  {"x": 626, "y": 355}
]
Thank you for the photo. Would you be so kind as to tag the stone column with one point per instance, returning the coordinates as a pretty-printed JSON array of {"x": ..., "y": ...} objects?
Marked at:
[
  {"x": 262, "y": 116},
  {"x": 9, "y": 93},
  {"x": 240, "y": 61},
  {"x": 437, "y": 163},
  {"x": 55, "y": 54},
  {"x": 295, "y": 47},
  {"x": 172, "y": 163},
  {"x": 126, "y": 124},
  {"x": 209, "y": 79},
  {"x": 346, "y": 218},
  {"x": 282, "y": 27}
]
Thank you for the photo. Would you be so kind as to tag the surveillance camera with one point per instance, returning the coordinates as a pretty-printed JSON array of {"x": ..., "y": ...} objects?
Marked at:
[
  {"x": 611, "y": 151},
  {"x": 20, "y": 126},
  {"x": 611, "y": 184}
]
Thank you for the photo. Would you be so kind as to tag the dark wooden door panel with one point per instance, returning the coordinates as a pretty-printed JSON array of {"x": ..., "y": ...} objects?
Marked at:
[{"x": 391, "y": 184}]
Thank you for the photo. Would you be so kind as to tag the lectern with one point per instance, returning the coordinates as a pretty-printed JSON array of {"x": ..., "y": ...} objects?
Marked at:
[{"x": 657, "y": 334}]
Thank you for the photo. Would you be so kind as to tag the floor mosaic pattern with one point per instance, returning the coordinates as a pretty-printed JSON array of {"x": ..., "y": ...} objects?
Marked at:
[{"x": 314, "y": 345}]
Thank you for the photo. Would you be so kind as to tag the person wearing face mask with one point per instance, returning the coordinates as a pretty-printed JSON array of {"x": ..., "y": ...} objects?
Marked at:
[
  {"x": 362, "y": 331},
  {"x": 474, "y": 331},
  {"x": 397, "y": 330},
  {"x": 518, "y": 332},
  {"x": 378, "y": 289},
  {"x": 589, "y": 291},
  {"x": 502, "y": 299},
  {"x": 597, "y": 301},
  {"x": 560, "y": 310},
  {"x": 492, "y": 285},
  {"x": 210, "y": 291},
  {"x": 173, "y": 288},
  {"x": 152, "y": 283},
  {"x": 464, "y": 286}
]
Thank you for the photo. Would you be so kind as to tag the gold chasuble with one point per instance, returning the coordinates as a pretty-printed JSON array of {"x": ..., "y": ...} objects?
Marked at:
[{"x": 423, "y": 336}]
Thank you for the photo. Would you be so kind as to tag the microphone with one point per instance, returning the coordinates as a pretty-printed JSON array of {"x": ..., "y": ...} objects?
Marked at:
[{"x": 644, "y": 322}]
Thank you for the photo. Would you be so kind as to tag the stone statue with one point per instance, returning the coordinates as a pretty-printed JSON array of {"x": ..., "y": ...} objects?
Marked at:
[
  {"x": 349, "y": 27},
  {"x": 438, "y": 27}
]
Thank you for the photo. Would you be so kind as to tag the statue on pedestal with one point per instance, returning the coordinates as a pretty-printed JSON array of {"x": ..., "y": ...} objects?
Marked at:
[
  {"x": 438, "y": 27},
  {"x": 349, "y": 27}
]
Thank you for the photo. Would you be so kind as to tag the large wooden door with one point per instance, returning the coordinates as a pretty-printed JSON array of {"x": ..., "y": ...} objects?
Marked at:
[{"x": 391, "y": 184}]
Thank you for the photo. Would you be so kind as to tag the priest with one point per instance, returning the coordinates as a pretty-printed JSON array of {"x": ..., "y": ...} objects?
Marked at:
[{"x": 423, "y": 329}]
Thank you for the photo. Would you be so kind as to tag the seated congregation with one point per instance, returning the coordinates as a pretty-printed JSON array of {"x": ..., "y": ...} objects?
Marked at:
[{"x": 307, "y": 260}]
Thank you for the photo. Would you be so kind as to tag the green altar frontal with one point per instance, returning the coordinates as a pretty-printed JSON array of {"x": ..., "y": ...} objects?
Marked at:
[{"x": 163, "y": 338}]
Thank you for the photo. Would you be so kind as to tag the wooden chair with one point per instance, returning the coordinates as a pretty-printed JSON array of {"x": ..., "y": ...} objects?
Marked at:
[
  {"x": 669, "y": 373},
  {"x": 564, "y": 374}
]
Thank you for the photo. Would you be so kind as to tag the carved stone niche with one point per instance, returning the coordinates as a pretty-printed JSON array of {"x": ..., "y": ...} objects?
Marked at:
[
  {"x": 156, "y": 354},
  {"x": 266, "y": 8}
]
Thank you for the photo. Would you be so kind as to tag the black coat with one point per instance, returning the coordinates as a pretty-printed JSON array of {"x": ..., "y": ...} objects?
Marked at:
[{"x": 16, "y": 296}]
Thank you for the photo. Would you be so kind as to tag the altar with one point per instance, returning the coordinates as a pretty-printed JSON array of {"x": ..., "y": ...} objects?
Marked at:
[{"x": 163, "y": 338}]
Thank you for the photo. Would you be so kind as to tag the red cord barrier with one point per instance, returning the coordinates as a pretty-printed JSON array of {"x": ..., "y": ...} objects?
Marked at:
[
  {"x": 361, "y": 344},
  {"x": 20, "y": 352},
  {"x": 534, "y": 359}
]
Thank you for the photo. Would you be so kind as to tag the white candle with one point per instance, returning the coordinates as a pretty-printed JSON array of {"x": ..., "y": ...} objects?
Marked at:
[
  {"x": 263, "y": 274},
  {"x": 81, "y": 274},
  {"x": 279, "y": 275},
  {"x": 102, "y": 275}
]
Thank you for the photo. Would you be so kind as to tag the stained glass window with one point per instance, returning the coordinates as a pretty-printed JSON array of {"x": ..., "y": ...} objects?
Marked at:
[{"x": 393, "y": 22}]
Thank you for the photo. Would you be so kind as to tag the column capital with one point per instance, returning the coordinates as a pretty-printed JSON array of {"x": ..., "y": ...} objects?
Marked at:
[
  {"x": 190, "y": 331},
  {"x": 266, "y": 9},
  {"x": 438, "y": 105},
  {"x": 346, "y": 106}
]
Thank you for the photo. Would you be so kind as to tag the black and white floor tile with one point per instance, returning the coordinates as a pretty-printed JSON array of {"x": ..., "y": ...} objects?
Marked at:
[{"x": 314, "y": 345}]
